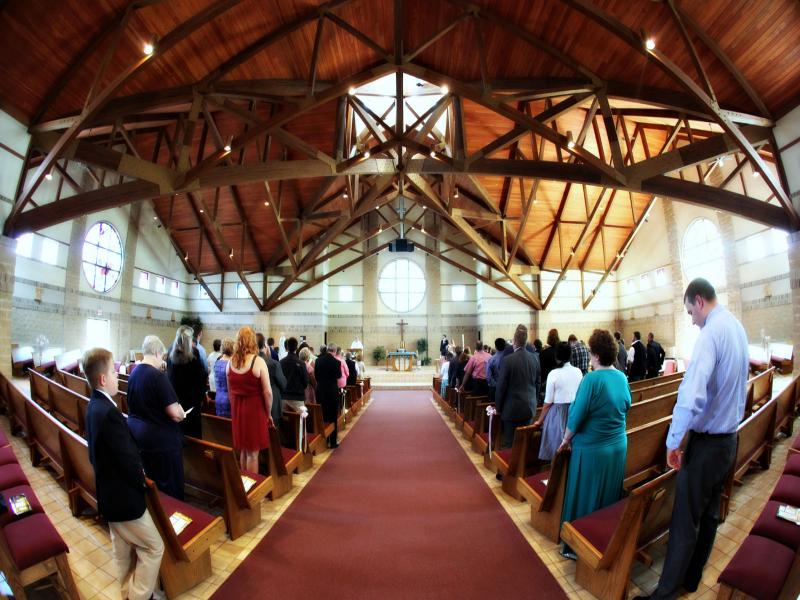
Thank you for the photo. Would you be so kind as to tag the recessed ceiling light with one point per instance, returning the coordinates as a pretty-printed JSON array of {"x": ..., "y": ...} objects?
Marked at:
[
  {"x": 352, "y": 91},
  {"x": 266, "y": 203},
  {"x": 445, "y": 89},
  {"x": 149, "y": 48},
  {"x": 49, "y": 176},
  {"x": 650, "y": 44},
  {"x": 201, "y": 211}
]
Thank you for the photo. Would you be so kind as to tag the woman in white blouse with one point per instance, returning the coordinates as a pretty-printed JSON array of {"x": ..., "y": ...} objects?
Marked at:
[{"x": 562, "y": 385}]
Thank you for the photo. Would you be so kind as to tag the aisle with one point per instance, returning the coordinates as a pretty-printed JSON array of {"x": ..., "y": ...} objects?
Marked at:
[{"x": 399, "y": 511}]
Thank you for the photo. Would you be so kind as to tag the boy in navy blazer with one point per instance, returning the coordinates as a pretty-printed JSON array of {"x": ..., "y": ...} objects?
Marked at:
[{"x": 120, "y": 483}]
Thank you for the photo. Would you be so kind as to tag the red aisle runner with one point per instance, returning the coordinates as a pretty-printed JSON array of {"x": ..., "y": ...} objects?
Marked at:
[{"x": 398, "y": 511}]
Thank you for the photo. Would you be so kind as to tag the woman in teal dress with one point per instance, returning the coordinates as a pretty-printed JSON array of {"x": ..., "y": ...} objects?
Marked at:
[{"x": 596, "y": 434}]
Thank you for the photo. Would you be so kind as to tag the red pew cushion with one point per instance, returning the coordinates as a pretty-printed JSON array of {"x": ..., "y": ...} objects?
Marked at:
[
  {"x": 8, "y": 516},
  {"x": 768, "y": 525},
  {"x": 504, "y": 455},
  {"x": 749, "y": 572},
  {"x": 599, "y": 526},
  {"x": 7, "y": 456},
  {"x": 32, "y": 540},
  {"x": 11, "y": 475},
  {"x": 537, "y": 482},
  {"x": 792, "y": 464},
  {"x": 288, "y": 454},
  {"x": 200, "y": 519},
  {"x": 787, "y": 490},
  {"x": 796, "y": 444}
]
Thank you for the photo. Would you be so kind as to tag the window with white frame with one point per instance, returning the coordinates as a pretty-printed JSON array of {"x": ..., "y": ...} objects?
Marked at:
[
  {"x": 661, "y": 277},
  {"x": 174, "y": 288},
  {"x": 401, "y": 285},
  {"x": 702, "y": 254},
  {"x": 780, "y": 240},
  {"x": 241, "y": 291},
  {"x": 630, "y": 286},
  {"x": 345, "y": 293},
  {"x": 644, "y": 281},
  {"x": 102, "y": 256},
  {"x": 161, "y": 285},
  {"x": 458, "y": 293},
  {"x": 144, "y": 280},
  {"x": 49, "y": 253},
  {"x": 97, "y": 333},
  {"x": 25, "y": 245}
]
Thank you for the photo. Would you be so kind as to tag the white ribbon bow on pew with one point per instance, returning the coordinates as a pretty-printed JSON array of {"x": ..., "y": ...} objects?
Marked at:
[
  {"x": 303, "y": 441},
  {"x": 491, "y": 411}
]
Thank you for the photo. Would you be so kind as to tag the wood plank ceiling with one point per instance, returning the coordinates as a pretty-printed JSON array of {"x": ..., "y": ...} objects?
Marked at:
[{"x": 553, "y": 126}]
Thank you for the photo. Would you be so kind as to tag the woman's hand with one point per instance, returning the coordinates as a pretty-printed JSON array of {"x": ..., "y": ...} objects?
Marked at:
[
  {"x": 537, "y": 424},
  {"x": 565, "y": 446}
]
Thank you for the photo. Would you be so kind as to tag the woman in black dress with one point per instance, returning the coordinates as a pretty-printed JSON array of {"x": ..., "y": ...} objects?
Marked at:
[
  {"x": 154, "y": 414},
  {"x": 188, "y": 378}
]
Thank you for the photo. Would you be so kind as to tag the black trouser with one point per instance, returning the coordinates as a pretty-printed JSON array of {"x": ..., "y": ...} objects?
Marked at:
[
  {"x": 330, "y": 414},
  {"x": 652, "y": 372},
  {"x": 695, "y": 515},
  {"x": 633, "y": 377},
  {"x": 509, "y": 427},
  {"x": 480, "y": 387}
]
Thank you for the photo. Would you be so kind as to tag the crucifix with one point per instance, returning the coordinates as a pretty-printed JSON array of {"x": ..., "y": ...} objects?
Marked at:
[{"x": 402, "y": 325}]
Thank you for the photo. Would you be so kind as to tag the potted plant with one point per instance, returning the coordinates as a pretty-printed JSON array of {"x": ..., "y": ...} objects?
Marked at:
[
  {"x": 379, "y": 354},
  {"x": 422, "y": 351}
]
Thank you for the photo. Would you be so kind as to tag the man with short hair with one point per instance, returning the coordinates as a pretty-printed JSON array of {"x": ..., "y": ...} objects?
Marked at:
[
  {"x": 296, "y": 375},
  {"x": 352, "y": 369},
  {"x": 579, "y": 354},
  {"x": 120, "y": 481},
  {"x": 212, "y": 358},
  {"x": 655, "y": 356},
  {"x": 443, "y": 345},
  {"x": 702, "y": 437},
  {"x": 494, "y": 364},
  {"x": 622, "y": 354},
  {"x": 197, "y": 335},
  {"x": 277, "y": 380},
  {"x": 637, "y": 359},
  {"x": 272, "y": 351},
  {"x": 517, "y": 394}
]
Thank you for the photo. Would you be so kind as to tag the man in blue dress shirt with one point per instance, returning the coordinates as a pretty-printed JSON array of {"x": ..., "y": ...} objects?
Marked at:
[{"x": 710, "y": 406}]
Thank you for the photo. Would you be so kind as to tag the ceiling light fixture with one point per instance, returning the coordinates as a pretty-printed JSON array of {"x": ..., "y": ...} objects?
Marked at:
[
  {"x": 344, "y": 194},
  {"x": 227, "y": 146},
  {"x": 455, "y": 195},
  {"x": 186, "y": 257},
  {"x": 231, "y": 254},
  {"x": 149, "y": 48},
  {"x": 155, "y": 218},
  {"x": 352, "y": 91},
  {"x": 756, "y": 174},
  {"x": 366, "y": 153},
  {"x": 570, "y": 141},
  {"x": 650, "y": 44},
  {"x": 201, "y": 211},
  {"x": 445, "y": 89},
  {"x": 433, "y": 153},
  {"x": 266, "y": 203},
  {"x": 49, "y": 176}
]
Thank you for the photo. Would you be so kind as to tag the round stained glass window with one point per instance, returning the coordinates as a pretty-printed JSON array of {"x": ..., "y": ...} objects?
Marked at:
[
  {"x": 401, "y": 285},
  {"x": 102, "y": 256}
]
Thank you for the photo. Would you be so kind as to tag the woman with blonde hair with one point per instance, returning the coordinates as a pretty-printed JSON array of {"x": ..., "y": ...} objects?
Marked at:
[
  {"x": 250, "y": 395},
  {"x": 306, "y": 355},
  {"x": 187, "y": 374}
]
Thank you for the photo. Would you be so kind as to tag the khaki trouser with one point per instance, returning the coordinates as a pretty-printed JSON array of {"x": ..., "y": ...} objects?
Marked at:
[{"x": 137, "y": 548}]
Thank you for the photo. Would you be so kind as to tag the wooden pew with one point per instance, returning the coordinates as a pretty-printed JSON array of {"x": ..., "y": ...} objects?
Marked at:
[
  {"x": 786, "y": 405},
  {"x": 316, "y": 422},
  {"x": 78, "y": 472},
  {"x": 653, "y": 391},
  {"x": 313, "y": 443},
  {"x": 187, "y": 556},
  {"x": 521, "y": 460},
  {"x": 759, "y": 391},
  {"x": 754, "y": 443},
  {"x": 15, "y": 407},
  {"x": 212, "y": 470},
  {"x": 68, "y": 361},
  {"x": 646, "y": 458},
  {"x": 65, "y": 405},
  {"x": 472, "y": 408},
  {"x": 43, "y": 438},
  {"x": 217, "y": 430},
  {"x": 607, "y": 540},
  {"x": 645, "y": 383},
  {"x": 40, "y": 390},
  {"x": 651, "y": 410},
  {"x": 21, "y": 360},
  {"x": 75, "y": 382},
  {"x": 281, "y": 464},
  {"x": 480, "y": 441}
]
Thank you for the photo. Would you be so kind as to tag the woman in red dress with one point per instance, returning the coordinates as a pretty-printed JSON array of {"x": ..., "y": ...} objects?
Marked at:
[{"x": 251, "y": 399}]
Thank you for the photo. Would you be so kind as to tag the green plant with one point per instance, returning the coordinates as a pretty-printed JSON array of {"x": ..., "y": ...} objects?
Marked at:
[
  {"x": 379, "y": 354},
  {"x": 426, "y": 361},
  {"x": 422, "y": 346}
]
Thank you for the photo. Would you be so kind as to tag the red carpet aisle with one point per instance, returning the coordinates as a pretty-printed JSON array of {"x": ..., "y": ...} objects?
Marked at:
[{"x": 398, "y": 512}]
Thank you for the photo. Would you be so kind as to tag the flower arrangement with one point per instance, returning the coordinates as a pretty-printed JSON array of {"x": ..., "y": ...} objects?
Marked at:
[{"x": 42, "y": 342}]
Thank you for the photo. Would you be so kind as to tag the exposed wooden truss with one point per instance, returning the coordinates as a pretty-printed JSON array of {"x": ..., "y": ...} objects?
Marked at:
[{"x": 224, "y": 136}]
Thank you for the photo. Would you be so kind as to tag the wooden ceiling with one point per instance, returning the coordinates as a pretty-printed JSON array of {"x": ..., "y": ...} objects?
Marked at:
[{"x": 561, "y": 127}]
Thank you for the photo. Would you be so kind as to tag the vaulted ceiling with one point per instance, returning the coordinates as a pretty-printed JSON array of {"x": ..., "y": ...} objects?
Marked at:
[{"x": 534, "y": 136}]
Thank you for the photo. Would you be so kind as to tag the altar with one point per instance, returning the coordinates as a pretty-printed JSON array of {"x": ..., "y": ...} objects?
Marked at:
[{"x": 401, "y": 360}]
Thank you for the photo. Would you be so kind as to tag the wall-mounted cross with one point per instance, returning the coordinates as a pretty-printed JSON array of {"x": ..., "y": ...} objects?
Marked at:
[{"x": 402, "y": 325}]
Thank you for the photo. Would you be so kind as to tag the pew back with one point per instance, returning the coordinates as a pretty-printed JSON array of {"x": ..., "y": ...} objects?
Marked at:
[
  {"x": 759, "y": 391},
  {"x": 75, "y": 383},
  {"x": 78, "y": 472},
  {"x": 40, "y": 389},
  {"x": 43, "y": 437},
  {"x": 653, "y": 391},
  {"x": 645, "y": 383},
  {"x": 647, "y": 411},
  {"x": 647, "y": 453},
  {"x": 217, "y": 430}
]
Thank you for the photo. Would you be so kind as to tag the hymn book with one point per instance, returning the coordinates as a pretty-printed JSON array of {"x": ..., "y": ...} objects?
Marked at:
[
  {"x": 789, "y": 513},
  {"x": 248, "y": 482},
  {"x": 179, "y": 522},
  {"x": 20, "y": 504}
]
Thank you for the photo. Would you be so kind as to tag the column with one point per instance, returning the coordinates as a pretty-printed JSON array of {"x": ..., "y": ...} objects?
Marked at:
[
  {"x": 73, "y": 324},
  {"x": 369, "y": 307},
  {"x": 676, "y": 277},
  {"x": 433, "y": 292},
  {"x": 8, "y": 263},
  {"x": 732, "y": 288},
  {"x": 124, "y": 339},
  {"x": 794, "y": 281}
]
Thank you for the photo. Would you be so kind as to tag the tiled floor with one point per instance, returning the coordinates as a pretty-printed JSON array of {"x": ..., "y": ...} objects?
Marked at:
[
  {"x": 90, "y": 556},
  {"x": 746, "y": 505}
]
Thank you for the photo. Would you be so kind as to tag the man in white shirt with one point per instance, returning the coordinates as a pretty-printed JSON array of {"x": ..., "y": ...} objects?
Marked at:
[{"x": 212, "y": 358}]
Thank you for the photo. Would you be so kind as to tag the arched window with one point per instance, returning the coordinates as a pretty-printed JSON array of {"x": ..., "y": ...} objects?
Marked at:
[
  {"x": 402, "y": 285},
  {"x": 702, "y": 254},
  {"x": 102, "y": 256}
]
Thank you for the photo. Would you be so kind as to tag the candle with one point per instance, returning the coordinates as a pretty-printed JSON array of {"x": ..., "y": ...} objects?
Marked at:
[{"x": 462, "y": 340}]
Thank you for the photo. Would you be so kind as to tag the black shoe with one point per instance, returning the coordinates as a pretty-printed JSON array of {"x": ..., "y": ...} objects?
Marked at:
[
  {"x": 333, "y": 446},
  {"x": 642, "y": 598},
  {"x": 499, "y": 477},
  {"x": 569, "y": 554}
]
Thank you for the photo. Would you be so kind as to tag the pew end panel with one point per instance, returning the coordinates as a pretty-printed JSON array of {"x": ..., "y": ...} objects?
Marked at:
[
  {"x": 545, "y": 493},
  {"x": 78, "y": 473},
  {"x": 43, "y": 439},
  {"x": 187, "y": 556},
  {"x": 647, "y": 454},
  {"x": 524, "y": 459}
]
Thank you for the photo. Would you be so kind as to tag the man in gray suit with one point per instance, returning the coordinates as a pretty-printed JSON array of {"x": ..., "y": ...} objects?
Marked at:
[{"x": 517, "y": 387}]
